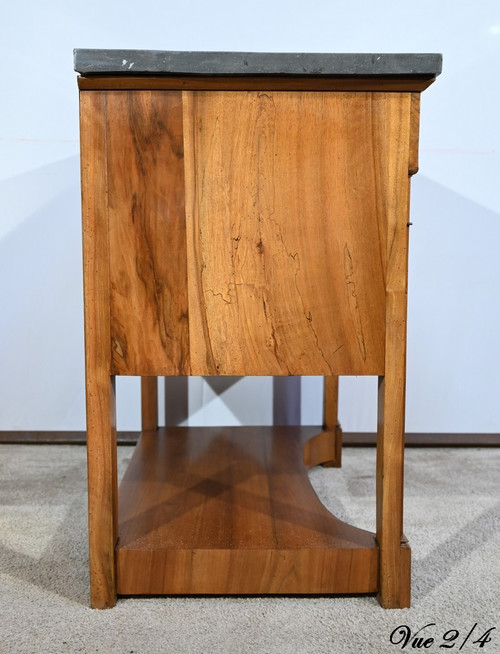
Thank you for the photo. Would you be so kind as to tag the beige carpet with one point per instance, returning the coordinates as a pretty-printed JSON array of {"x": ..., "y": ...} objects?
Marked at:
[{"x": 452, "y": 522}]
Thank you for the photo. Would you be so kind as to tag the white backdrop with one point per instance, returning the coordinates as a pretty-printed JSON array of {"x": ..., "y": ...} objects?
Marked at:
[{"x": 454, "y": 301}]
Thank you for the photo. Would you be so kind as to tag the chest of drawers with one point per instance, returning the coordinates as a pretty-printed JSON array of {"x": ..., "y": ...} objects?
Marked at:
[{"x": 244, "y": 214}]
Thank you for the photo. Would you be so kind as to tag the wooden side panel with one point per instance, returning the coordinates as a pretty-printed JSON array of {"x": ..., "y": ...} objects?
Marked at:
[
  {"x": 279, "y": 255},
  {"x": 147, "y": 237},
  {"x": 286, "y": 230},
  {"x": 247, "y": 571},
  {"x": 100, "y": 391}
]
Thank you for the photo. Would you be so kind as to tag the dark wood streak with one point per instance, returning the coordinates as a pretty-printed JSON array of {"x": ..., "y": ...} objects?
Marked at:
[{"x": 149, "y": 312}]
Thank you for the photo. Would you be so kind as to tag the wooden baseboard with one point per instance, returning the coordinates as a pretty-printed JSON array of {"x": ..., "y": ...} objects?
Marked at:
[
  {"x": 364, "y": 439},
  {"x": 350, "y": 439},
  {"x": 60, "y": 437}
]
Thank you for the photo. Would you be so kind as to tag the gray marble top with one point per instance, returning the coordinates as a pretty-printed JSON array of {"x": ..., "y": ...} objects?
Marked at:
[{"x": 159, "y": 62}]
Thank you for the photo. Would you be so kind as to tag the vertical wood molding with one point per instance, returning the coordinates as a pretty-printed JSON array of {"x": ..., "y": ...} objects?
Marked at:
[
  {"x": 100, "y": 387},
  {"x": 391, "y": 392},
  {"x": 414, "y": 133}
]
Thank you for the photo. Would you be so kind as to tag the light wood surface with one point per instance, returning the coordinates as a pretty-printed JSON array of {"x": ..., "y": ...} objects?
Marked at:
[
  {"x": 231, "y": 510},
  {"x": 100, "y": 390},
  {"x": 283, "y": 222}
]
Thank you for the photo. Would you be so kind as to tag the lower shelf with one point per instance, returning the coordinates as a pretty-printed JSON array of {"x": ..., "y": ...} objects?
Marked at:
[{"x": 231, "y": 511}]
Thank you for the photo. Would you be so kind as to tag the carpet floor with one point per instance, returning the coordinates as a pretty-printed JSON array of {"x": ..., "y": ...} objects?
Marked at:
[{"x": 452, "y": 520}]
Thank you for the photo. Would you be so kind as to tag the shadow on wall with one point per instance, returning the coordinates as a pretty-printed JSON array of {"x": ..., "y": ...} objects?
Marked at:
[
  {"x": 41, "y": 328},
  {"x": 453, "y": 313},
  {"x": 236, "y": 400}
]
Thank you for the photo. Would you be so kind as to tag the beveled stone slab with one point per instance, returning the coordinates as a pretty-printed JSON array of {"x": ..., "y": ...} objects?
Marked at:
[{"x": 159, "y": 62}]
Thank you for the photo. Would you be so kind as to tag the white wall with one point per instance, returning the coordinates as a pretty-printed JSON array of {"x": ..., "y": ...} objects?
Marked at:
[{"x": 454, "y": 303}]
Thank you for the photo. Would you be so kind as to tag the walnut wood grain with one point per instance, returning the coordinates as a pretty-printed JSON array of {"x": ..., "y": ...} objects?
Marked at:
[
  {"x": 231, "y": 510},
  {"x": 321, "y": 449},
  {"x": 261, "y": 299},
  {"x": 283, "y": 227},
  {"x": 249, "y": 83},
  {"x": 100, "y": 389},
  {"x": 147, "y": 237}
]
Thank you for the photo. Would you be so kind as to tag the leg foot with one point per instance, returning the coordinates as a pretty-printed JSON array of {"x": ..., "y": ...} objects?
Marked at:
[{"x": 402, "y": 598}]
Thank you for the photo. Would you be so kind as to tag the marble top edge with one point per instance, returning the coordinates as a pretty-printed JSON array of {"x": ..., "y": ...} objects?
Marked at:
[{"x": 160, "y": 62}]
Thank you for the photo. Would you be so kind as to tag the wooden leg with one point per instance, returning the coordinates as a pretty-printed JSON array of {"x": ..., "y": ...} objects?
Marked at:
[
  {"x": 331, "y": 423},
  {"x": 394, "y": 591},
  {"x": 286, "y": 400},
  {"x": 102, "y": 491},
  {"x": 100, "y": 385},
  {"x": 149, "y": 403},
  {"x": 394, "y": 551},
  {"x": 176, "y": 400}
]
